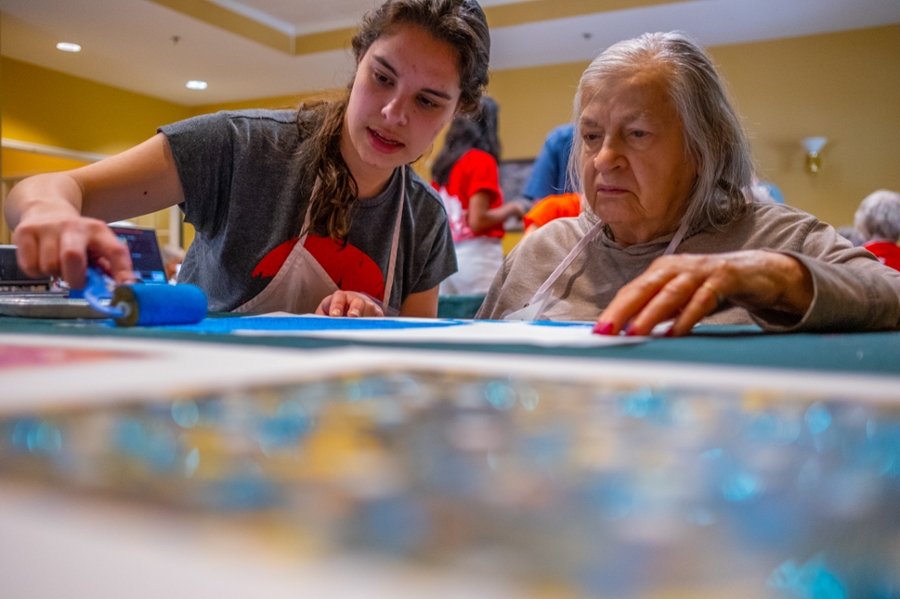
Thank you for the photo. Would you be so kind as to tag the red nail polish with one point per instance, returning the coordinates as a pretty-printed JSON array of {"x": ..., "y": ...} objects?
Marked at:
[
  {"x": 629, "y": 331},
  {"x": 603, "y": 328}
]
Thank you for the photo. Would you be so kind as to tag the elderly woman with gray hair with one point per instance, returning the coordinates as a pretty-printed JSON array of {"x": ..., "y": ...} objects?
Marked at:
[
  {"x": 668, "y": 232},
  {"x": 877, "y": 224}
]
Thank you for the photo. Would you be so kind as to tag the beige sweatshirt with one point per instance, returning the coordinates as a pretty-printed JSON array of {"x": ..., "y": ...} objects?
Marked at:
[{"x": 853, "y": 291}]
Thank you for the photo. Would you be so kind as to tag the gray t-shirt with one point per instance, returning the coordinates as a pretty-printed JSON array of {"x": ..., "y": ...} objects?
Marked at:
[
  {"x": 852, "y": 290},
  {"x": 247, "y": 182}
]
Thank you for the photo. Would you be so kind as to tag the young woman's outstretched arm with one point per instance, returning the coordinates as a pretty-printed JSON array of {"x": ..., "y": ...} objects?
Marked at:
[{"x": 59, "y": 219}]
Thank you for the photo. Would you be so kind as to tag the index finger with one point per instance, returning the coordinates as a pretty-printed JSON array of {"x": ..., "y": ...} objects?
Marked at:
[{"x": 117, "y": 255}]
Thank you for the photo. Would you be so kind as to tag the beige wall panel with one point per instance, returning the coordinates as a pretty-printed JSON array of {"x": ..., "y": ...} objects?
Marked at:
[
  {"x": 533, "y": 101},
  {"x": 843, "y": 86}
]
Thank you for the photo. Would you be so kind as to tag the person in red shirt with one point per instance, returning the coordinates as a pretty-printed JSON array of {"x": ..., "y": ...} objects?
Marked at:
[
  {"x": 877, "y": 222},
  {"x": 466, "y": 174}
]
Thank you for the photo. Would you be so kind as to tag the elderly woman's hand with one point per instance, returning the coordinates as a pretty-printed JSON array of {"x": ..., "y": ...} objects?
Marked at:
[{"x": 687, "y": 287}]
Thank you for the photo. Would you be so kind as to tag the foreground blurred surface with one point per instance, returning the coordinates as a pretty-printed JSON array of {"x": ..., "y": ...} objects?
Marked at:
[{"x": 414, "y": 482}]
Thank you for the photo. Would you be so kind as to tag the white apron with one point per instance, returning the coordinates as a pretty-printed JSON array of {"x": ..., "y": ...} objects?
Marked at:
[
  {"x": 301, "y": 283},
  {"x": 534, "y": 308}
]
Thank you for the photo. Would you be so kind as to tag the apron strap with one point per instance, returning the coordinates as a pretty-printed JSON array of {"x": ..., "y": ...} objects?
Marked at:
[
  {"x": 679, "y": 235},
  {"x": 395, "y": 242},
  {"x": 305, "y": 229},
  {"x": 579, "y": 247},
  {"x": 542, "y": 294}
]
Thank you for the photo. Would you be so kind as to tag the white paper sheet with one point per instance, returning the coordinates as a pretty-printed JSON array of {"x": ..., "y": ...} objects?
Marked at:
[{"x": 472, "y": 332}]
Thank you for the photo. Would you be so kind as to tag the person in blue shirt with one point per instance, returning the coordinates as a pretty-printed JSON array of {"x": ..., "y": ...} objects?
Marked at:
[{"x": 549, "y": 173}]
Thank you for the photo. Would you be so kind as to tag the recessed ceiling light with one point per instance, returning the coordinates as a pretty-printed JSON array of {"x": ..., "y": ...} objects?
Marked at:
[
  {"x": 68, "y": 47},
  {"x": 193, "y": 84}
]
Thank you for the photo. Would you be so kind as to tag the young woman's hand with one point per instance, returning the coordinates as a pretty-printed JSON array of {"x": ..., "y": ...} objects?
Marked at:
[
  {"x": 349, "y": 303},
  {"x": 61, "y": 246},
  {"x": 59, "y": 218}
]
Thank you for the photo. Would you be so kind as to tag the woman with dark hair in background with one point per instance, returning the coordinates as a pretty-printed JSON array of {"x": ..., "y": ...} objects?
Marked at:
[
  {"x": 302, "y": 210},
  {"x": 467, "y": 176}
]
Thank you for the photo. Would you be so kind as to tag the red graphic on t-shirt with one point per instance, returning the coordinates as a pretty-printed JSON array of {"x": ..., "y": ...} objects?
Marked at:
[
  {"x": 273, "y": 261},
  {"x": 348, "y": 266}
]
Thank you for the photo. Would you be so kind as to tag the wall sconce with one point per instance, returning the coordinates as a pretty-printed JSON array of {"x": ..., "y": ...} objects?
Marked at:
[{"x": 813, "y": 146}]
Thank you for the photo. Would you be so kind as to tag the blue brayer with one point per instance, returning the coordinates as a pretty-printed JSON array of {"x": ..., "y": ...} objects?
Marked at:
[{"x": 145, "y": 304}]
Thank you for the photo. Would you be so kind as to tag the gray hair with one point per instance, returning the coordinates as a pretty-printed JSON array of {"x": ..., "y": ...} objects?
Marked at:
[
  {"x": 713, "y": 132},
  {"x": 878, "y": 216}
]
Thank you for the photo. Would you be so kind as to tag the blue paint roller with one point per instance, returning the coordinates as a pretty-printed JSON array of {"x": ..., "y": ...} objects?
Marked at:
[{"x": 143, "y": 304}]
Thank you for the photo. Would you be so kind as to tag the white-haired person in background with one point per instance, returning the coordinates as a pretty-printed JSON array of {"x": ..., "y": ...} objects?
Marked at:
[
  {"x": 667, "y": 232},
  {"x": 877, "y": 223}
]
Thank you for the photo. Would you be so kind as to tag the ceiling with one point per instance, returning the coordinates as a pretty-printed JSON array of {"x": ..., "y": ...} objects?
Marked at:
[{"x": 248, "y": 49}]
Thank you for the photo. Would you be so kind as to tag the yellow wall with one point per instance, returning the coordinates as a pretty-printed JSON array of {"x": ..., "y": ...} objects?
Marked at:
[
  {"x": 54, "y": 109},
  {"x": 844, "y": 86},
  {"x": 275, "y": 103},
  {"x": 92, "y": 118},
  {"x": 19, "y": 164},
  {"x": 532, "y": 102}
]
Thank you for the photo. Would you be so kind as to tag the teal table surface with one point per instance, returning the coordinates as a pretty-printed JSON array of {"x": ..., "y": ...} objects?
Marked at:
[
  {"x": 862, "y": 353},
  {"x": 459, "y": 306}
]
